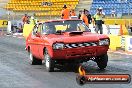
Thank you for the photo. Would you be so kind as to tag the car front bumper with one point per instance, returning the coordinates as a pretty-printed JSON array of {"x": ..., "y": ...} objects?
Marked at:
[{"x": 80, "y": 53}]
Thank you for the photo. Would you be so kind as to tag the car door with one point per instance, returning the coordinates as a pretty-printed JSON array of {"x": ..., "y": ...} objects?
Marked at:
[
  {"x": 44, "y": 30},
  {"x": 36, "y": 40}
]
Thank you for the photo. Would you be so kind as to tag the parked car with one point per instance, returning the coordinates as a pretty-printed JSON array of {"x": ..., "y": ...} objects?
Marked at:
[{"x": 66, "y": 41}]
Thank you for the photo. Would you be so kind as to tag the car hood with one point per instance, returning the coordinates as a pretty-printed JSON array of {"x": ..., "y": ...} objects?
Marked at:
[{"x": 75, "y": 37}]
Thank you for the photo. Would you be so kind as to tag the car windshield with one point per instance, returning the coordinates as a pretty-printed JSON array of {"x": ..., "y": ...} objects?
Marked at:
[{"x": 64, "y": 26}]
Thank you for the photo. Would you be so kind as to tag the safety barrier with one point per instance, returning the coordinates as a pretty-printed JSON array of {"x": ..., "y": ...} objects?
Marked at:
[
  {"x": 126, "y": 43},
  {"x": 3, "y": 23},
  {"x": 121, "y": 43},
  {"x": 3, "y": 27},
  {"x": 118, "y": 21},
  {"x": 115, "y": 42}
]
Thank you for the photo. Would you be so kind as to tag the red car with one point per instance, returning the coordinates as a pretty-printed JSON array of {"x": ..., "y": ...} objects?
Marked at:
[{"x": 66, "y": 41}]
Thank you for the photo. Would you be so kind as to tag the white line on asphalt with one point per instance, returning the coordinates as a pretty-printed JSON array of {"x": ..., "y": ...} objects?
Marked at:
[
  {"x": 20, "y": 37},
  {"x": 13, "y": 36},
  {"x": 117, "y": 52}
]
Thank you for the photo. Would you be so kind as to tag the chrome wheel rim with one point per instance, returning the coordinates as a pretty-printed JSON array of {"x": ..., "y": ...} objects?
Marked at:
[
  {"x": 47, "y": 63},
  {"x": 31, "y": 56}
]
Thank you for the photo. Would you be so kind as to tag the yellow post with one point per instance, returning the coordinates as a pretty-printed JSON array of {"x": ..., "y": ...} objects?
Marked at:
[{"x": 27, "y": 30}]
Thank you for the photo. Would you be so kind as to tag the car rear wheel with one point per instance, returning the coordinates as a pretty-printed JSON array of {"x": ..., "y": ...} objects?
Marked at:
[
  {"x": 49, "y": 63},
  {"x": 102, "y": 61},
  {"x": 34, "y": 61}
]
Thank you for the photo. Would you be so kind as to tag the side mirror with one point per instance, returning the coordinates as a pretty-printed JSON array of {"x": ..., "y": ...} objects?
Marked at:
[{"x": 38, "y": 34}]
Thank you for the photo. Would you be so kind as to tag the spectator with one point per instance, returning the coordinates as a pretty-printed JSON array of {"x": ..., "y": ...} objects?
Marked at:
[
  {"x": 89, "y": 17},
  {"x": 72, "y": 13},
  {"x": 130, "y": 27},
  {"x": 102, "y": 11},
  {"x": 29, "y": 17},
  {"x": 65, "y": 13},
  {"x": 25, "y": 19},
  {"x": 113, "y": 13},
  {"x": 99, "y": 20},
  {"x": 33, "y": 20},
  {"x": 80, "y": 13},
  {"x": 103, "y": 14},
  {"x": 84, "y": 17}
]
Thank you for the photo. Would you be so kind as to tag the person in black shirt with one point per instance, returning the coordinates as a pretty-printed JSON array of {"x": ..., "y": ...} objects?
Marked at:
[
  {"x": 80, "y": 13},
  {"x": 130, "y": 27},
  {"x": 89, "y": 17}
]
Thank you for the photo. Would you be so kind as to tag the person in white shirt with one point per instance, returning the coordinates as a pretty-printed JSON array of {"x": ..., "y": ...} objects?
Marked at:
[{"x": 102, "y": 11}]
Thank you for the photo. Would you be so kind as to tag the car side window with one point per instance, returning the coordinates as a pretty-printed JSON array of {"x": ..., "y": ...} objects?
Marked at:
[
  {"x": 45, "y": 28},
  {"x": 82, "y": 27},
  {"x": 48, "y": 28},
  {"x": 39, "y": 28},
  {"x": 35, "y": 30}
]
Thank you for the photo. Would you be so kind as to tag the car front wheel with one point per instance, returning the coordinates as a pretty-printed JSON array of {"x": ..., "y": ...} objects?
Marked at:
[
  {"x": 49, "y": 63},
  {"x": 34, "y": 61},
  {"x": 102, "y": 61}
]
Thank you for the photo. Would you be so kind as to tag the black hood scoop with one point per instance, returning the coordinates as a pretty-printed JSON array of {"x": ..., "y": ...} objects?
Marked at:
[{"x": 75, "y": 33}]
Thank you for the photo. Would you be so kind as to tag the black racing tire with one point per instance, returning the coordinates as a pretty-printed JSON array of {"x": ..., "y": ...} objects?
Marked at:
[
  {"x": 102, "y": 61},
  {"x": 34, "y": 60},
  {"x": 49, "y": 63}
]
